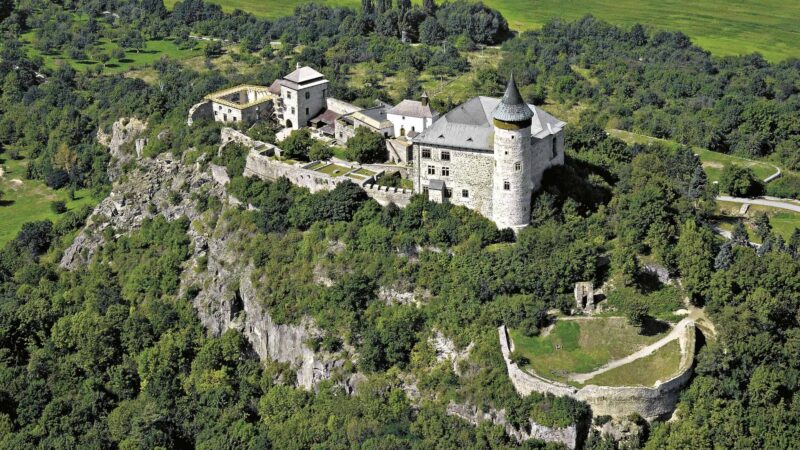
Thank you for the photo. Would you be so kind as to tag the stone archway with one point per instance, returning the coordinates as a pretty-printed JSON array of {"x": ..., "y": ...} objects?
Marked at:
[
  {"x": 288, "y": 123},
  {"x": 402, "y": 131}
]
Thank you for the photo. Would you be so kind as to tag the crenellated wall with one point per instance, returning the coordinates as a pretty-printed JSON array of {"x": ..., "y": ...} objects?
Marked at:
[{"x": 617, "y": 401}]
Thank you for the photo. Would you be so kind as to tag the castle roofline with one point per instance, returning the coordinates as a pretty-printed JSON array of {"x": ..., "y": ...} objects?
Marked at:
[{"x": 512, "y": 108}]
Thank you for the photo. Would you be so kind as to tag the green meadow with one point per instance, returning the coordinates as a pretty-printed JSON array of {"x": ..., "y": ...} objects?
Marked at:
[
  {"x": 29, "y": 200},
  {"x": 724, "y": 27},
  {"x": 151, "y": 53}
]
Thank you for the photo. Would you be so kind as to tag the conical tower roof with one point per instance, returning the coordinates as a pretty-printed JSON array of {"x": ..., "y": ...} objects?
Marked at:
[{"x": 512, "y": 108}]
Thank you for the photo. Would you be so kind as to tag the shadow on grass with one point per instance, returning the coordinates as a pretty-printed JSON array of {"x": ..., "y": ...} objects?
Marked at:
[
  {"x": 6, "y": 202},
  {"x": 111, "y": 65},
  {"x": 652, "y": 327},
  {"x": 125, "y": 60},
  {"x": 648, "y": 282}
]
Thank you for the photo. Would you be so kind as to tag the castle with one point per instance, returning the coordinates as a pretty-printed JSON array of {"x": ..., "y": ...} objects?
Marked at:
[{"x": 487, "y": 154}]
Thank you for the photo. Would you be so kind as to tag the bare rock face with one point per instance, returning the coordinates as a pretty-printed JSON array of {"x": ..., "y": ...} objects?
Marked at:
[
  {"x": 123, "y": 131},
  {"x": 567, "y": 436},
  {"x": 156, "y": 186}
]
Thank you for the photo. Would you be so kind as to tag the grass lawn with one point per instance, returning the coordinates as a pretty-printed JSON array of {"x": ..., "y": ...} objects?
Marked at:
[
  {"x": 783, "y": 222},
  {"x": 713, "y": 162},
  {"x": 29, "y": 200},
  {"x": 659, "y": 366},
  {"x": 580, "y": 346},
  {"x": 723, "y": 27},
  {"x": 333, "y": 170},
  {"x": 364, "y": 172}
]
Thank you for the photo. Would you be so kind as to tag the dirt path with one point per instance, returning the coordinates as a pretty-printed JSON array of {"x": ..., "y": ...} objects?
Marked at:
[
  {"x": 782, "y": 204},
  {"x": 646, "y": 351}
]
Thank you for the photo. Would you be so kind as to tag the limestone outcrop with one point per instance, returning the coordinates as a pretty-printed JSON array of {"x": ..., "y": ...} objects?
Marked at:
[
  {"x": 215, "y": 275},
  {"x": 569, "y": 436},
  {"x": 123, "y": 131}
]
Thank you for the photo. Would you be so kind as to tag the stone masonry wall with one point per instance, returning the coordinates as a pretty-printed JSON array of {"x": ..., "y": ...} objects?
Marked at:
[{"x": 618, "y": 401}]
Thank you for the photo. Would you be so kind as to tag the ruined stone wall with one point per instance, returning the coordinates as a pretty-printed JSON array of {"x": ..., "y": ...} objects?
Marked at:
[
  {"x": 618, "y": 401},
  {"x": 200, "y": 110}
]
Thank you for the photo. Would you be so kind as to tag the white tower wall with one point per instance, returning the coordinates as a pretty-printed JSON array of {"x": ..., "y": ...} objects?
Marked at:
[{"x": 512, "y": 182}]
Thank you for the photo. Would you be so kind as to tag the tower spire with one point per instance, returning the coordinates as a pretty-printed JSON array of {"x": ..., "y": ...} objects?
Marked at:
[{"x": 512, "y": 108}]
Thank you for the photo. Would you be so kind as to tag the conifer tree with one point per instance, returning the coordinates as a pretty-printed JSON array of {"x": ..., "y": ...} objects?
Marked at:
[
  {"x": 763, "y": 227},
  {"x": 724, "y": 258},
  {"x": 739, "y": 235}
]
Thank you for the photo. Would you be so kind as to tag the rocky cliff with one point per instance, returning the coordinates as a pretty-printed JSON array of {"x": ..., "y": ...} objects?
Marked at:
[
  {"x": 215, "y": 275},
  {"x": 123, "y": 131}
]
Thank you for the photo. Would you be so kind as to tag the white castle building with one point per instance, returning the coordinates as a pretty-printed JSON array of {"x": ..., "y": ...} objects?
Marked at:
[
  {"x": 489, "y": 155},
  {"x": 303, "y": 95}
]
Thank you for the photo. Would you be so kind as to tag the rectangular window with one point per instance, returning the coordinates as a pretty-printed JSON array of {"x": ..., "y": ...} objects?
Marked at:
[
  {"x": 426, "y": 153},
  {"x": 445, "y": 156},
  {"x": 506, "y": 185},
  {"x": 292, "y": 109},
  {"x": 425, "y": 190},
  {"x": 445, "y": 171},
  {"x": 308, "y": 95},
  {"x": 555, "y": 151},
  {"x": 465, "y": 193},
  {"x": 448, "y": 192},
  {"x": 306, "y": 111},
  {"x": 517, "y": 166},
  {"x": 431, "y": 170},
  {"x": 288, "y": 94}
]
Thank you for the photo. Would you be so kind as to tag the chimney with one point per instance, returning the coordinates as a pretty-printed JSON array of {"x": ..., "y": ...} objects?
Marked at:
[
  {"x": 424, "y": 98},
  {"x": 297, "y": 66}
]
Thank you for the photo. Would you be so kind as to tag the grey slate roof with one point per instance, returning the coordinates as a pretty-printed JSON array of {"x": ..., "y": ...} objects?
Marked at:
[
  {"x": 511, "y": 107},
  {"x": 469, "y": 125},
  {"x": 436, "y": 185},
  {"x": 412, "y": 108},
  {"x": 303, "y": 75}
]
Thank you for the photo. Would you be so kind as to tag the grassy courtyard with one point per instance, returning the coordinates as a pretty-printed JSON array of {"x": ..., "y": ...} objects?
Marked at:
[
  {"x": 720, "y": 26},
  {"x": 580, "y": 346},
  {"x": 29, "y": 200},
  {"x": 659, "y": 366}
]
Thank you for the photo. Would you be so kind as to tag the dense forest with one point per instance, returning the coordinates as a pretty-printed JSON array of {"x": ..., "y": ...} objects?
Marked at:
[{"x": 114, "y": 356}]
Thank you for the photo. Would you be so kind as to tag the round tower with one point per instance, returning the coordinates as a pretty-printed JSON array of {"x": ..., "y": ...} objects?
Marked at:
[{"x": 512, "y": 185}]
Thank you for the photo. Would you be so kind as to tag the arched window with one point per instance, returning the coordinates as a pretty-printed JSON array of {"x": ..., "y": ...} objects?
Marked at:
[
  {"x": 506, "y": 185},
  {"x": 517, "y": 166}
]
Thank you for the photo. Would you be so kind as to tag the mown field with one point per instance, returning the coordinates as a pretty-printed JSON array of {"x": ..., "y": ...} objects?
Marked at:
[{"x": 724, "y": 27}]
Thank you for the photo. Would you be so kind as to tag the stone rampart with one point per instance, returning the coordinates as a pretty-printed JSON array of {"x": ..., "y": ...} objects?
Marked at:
[
  {"x": 385, "y": 195},
  {"x": 618, "y": 401}
]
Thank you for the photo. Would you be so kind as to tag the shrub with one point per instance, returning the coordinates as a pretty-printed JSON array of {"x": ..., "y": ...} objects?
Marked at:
[
  {"x": 58, "y": 207},
  {"x": 518, "y": 358},
  {"x": 739, "y": 181},
  {"x": 787, "y": 186},
  {"x": 366, "y": 147},
  {"x": 297, "y": 145}
]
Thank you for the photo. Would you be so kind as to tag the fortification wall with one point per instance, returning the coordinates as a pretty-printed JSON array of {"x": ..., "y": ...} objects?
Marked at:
[
  {"x": 617, "y": 401},
  {"x": 385, "y": 195},
  {"x": 268, "y": 168}
]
